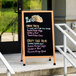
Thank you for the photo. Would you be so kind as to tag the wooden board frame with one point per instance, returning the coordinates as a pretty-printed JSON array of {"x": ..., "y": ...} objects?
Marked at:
[{"x": 23, "y": 38}]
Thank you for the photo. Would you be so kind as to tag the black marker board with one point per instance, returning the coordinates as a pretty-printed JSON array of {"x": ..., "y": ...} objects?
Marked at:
[{"x": 38, "y": 33}]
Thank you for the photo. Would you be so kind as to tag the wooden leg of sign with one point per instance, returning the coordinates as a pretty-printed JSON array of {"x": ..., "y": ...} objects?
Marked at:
[
  {"x": 24, "y": 64},
  {"x": 50, "y": 58},
  {"x": 54, "y": 58},
  {"x": 21, "y": 48},
  {"x": 23, "y": 56},
  {"x": 23, "y": 41},
  {"x": 21, "y": 52},
  {"x": 53, "y": 38},
  {"x": 24, "y": 61}
]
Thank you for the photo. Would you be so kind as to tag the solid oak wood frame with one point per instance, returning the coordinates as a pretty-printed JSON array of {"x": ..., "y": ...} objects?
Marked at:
[{"x": 23, "y": 56}]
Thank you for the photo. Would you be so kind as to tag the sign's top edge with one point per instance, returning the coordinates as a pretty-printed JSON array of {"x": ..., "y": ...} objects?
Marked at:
[{"x": 36, "y": 11}]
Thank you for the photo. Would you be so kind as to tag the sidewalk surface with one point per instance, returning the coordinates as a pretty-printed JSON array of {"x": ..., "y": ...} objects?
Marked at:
[{"x": 33, "y": 63}]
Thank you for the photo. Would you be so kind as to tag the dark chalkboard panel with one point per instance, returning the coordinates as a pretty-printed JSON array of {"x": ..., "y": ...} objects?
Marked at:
[{"x": 37, "y": 34}]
